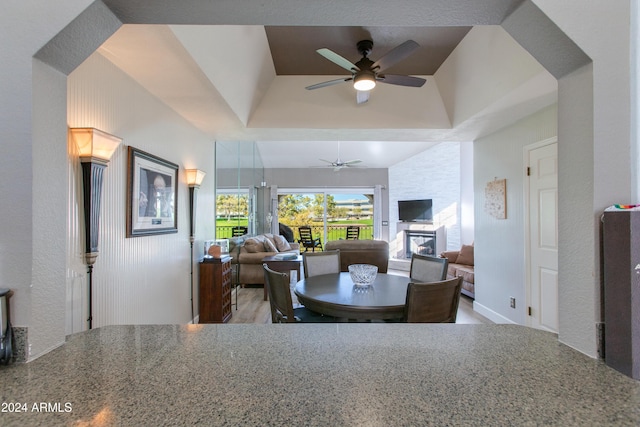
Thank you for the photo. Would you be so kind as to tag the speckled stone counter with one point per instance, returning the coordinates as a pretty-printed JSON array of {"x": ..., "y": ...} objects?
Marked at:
[{"x": 317, "y": 375}]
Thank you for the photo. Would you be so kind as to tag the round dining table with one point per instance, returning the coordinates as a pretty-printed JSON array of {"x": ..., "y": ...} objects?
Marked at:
[{"x": 336, "y": 295}]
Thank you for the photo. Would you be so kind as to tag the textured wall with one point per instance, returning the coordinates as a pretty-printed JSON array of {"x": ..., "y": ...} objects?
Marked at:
[
  {"x": 499, "y": 245},
  {"x": 143, "y": 279}
]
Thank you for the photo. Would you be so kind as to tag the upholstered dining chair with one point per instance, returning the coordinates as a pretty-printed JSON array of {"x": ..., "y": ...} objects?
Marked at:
[
  {"x": 435, "y": 302},
  {"x": 281, "y": 302},
  {"x": 317, "y": 263},
  {"x": 426, "y": 268}
]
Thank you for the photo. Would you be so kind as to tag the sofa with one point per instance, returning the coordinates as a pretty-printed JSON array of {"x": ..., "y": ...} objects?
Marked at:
[
  {"x": 461, "y": 265},
  {"x": 247, "y": 253},
  {"x": 374, "y": 252}
]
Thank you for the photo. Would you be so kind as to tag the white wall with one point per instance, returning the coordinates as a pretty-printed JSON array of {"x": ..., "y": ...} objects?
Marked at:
[
  {"x": 500, "y": 243},
  {"x": 635, "y": 99},
  {"x": 143, "y": 279},
  {"x": 467, "y": 198},
  {"x": 433, "y": 174},
  {"x": 593, "y": 105}
]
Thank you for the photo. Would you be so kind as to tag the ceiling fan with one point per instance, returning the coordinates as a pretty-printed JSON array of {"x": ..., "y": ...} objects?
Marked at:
[
  {"x": 365, "y": 73},
  {"x": 339, "y": 164}
]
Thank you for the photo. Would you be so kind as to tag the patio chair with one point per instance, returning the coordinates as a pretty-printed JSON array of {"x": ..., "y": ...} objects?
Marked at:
[
  {"x": 425, "y": 268},
  {"x": 353, "y": 232},
  {"x": 306, "y": 239},
  {"x": 281, "y": 303},
  {"x": 319, "y": 263},
  {"x": 435, "y": 302},
  {"x": 239, "y": 231}
]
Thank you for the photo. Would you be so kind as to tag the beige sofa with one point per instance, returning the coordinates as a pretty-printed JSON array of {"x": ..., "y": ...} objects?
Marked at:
[
  {"x": 374, "y": 252},
  {"x": 247, "y": 254},
  {"x": 461, "y": 265}
]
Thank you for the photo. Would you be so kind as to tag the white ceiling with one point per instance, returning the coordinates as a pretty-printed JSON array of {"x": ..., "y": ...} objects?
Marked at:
[{"x": 223, "y": 80}]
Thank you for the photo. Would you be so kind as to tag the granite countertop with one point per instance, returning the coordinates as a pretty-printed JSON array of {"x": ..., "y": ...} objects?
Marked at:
[{"x": 316, "y": 375}]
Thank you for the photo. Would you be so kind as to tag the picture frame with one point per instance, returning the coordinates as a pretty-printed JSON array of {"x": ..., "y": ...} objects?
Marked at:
[
  {"x": 152, "y": 194},
  {"x": 496, "y": 198}
]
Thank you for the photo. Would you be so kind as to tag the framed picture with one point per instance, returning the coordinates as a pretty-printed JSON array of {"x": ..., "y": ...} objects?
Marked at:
[
  {"x": 152, "y": 194},
  {"x": 495, "y": 203}
]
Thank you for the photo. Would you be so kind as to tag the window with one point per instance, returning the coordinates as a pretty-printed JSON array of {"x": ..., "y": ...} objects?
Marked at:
[{"x": 327, "y": 212}]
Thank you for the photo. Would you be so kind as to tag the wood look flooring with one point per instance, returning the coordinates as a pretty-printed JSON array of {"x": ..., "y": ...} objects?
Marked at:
[{"x": 253, "y": 309}]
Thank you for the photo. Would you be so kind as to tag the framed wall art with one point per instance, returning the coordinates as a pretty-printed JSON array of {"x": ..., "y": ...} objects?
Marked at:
[
  {"x": 152, "y": 194},
  {"x": 496, "y": 198}
]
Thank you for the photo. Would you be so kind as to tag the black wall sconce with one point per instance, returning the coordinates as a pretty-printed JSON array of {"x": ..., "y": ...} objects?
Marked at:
[
  {"x": 95, "y": 149},
  {"x": 194, "y": 179}
]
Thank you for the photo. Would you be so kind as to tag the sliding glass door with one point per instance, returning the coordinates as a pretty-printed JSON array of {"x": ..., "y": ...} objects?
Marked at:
[{"x": 329, "y": 213}]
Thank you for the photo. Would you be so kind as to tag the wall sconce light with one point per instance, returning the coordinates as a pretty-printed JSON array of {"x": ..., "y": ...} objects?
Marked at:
[
  {"x": 194, "y": 179},
  {"x": 95, "y": 149}
]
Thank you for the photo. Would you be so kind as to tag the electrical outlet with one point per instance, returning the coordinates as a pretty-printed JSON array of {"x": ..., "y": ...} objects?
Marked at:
[{"x": 512, "y": 302}]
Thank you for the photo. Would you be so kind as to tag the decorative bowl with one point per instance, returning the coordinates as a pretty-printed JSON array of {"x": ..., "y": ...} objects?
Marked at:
[{"x": 363, "y": 274}]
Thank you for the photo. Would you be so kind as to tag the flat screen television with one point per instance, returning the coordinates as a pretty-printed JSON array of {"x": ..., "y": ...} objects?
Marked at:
[{"x": 415, "y": 210}]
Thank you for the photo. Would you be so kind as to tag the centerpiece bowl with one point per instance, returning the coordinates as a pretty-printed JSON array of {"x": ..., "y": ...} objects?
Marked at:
[{"x": 363, "y": 274}]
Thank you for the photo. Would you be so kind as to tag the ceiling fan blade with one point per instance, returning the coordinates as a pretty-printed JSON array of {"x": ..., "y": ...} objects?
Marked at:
[
  {"x": 399, "y": 80},
  {"x": 362, "y": 96},
  {"x": 395, "y": 55},
  {"x": 328, "y": 83},
  {"x": 352, "y": 162},
  {"x": 337, "y": 59},
  {"x": 326, "y": 161}
]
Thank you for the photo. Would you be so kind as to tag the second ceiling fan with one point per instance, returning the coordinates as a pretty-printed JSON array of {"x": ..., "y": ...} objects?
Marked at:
[{"x": 365, "y": 73}]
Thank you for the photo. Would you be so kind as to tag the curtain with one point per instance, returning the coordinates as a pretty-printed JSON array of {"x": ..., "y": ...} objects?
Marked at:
[
  {"x": 273, "y": 209},
  {"x": 377, "y": 212}
]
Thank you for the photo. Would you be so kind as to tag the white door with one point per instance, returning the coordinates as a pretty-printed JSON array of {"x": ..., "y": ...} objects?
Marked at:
[{"x": 543, "y": 237}]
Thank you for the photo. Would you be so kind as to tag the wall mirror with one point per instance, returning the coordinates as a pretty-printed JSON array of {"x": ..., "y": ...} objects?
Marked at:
[{"x": 240, "y": 189}]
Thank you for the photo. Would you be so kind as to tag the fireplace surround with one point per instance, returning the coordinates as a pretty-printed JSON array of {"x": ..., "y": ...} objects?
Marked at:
[{"x": 423, "y": 238}]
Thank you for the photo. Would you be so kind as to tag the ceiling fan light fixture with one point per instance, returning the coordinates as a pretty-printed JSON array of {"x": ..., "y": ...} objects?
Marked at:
[{"x": 364, "y": 80}]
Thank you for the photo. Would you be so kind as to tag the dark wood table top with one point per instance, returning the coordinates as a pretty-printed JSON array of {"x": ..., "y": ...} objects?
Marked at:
[
  {"x": 336, "y": 295},
  {"x": 273, "y": 258}
]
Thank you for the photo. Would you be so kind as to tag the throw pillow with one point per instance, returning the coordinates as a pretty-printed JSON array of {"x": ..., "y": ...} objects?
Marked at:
[
  {"x": 253, "y": 245},
  {"x": 281, "y": 243},
  {"x": 466, "y": 255},
  {"x": 269, "y": 247}
]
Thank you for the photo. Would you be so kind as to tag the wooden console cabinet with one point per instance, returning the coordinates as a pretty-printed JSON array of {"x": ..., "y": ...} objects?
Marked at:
[{"x": 214, "y": 297}]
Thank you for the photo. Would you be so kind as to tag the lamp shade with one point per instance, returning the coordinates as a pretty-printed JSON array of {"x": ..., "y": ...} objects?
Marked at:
[
  {"x": 195, "y": 177},
  {"x": 364, "y": 81},
  {"x": 94, "y": 144}
]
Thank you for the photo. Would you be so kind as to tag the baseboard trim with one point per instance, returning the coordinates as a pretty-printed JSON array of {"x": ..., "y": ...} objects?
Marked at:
[{"x": 491, "y": 315}]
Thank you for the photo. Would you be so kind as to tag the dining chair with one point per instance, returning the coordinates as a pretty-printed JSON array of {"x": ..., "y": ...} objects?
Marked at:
[
  {"x": 317, "y": 263},
  {"x": 425, "y": 268},
  {"x": 353, "y": 232},
  {"x": 281, "y": 302},
  {"x": 307, "y": 240},
  {"x": 435, "y": 302}
]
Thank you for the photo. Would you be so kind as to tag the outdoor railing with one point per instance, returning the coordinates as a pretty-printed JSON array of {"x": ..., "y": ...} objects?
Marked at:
[{"x": 334, "y": 232}]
